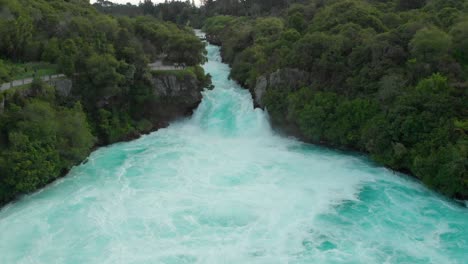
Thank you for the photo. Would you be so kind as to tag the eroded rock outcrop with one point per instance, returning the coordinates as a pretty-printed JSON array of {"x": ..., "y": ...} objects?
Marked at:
[
  {"x": 213, "y": 39},
  {"x": 290, "y": 79},
  {"x": 185, "y": 88},
  {"x": 177, "y": 95},
  {"x": 63, "y": 86}
]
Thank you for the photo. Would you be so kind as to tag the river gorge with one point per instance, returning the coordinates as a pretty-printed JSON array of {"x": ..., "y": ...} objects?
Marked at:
[{"x": 222, "y": 187}]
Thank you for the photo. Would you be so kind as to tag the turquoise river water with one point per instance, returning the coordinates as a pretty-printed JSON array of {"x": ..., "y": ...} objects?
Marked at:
[{"x": 222, "y": 187}]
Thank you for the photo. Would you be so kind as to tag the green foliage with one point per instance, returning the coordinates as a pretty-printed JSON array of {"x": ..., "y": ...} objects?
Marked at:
[
  {"x": 459, "y": 34},
  {"x": 445, "y": 169},
  {"x": 51, "y": 51},
  {"x": 314, "y": 49},
  {"x": 102, "y": 70},
  {"x": 17, "y": 71},
  {"x": 4, "y": 72},
  {"x": 29, "y": 164},
  {"x": 269, "y": 28},
  {"x": 244, "y": 65},
  {"x": 185, "y": 49},
  {"x": 314, "y": 114},
  {"x": 86, "y": 33},
  {"x": 437, "y": 83},
  {"x": 181, "y": 75},
  {"x": 413, "y": 135},
  {"x": 297, "y": 22},
  {"x": 114, "y": 126},
  {"x": 16, "y": 31},
  {"x": 178, "y": 12},
  {"x": 406, "y": 5},
  {"x": 245, "y": 7},
  {"x": 67, "y": 59},
  {"x": 349, "y": 11},
  {"x": 276, "y": 105},
  {"x": 430, "y": 44},
  {"x": 42, "y": 141},
  {"x": 74, "y": 139},
  {"x": 43, "y": 133},
  {"x": 216, "y": 24},
  {"x": 386, "y": 77}
]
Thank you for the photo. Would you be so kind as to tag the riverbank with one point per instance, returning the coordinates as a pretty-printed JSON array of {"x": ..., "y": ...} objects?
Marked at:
[
  {"x": 222, "y": 187},
  {"x": 357, "y": 124},
  {"x": 67, "y": 132}
]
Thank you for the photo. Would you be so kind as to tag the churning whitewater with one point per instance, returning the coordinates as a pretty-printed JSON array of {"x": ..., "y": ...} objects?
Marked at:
[{"x": 221, "y": 187}]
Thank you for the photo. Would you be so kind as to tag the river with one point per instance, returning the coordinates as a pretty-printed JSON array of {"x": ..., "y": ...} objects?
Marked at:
[{"x": 222, "y": 187}]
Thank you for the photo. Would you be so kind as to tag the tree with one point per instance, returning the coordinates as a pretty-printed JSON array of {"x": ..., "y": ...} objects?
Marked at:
[
  {"x": 4, "y": 72},
  {"x": 309, "y": 50},
  {"x": 297, "y": 22},
  {"x": 343, "y": 12},
  {"x": 460, "y": 41},
  {"x": 43, "y": 135},
  {"x": 430, "y": 44},
  {"x": 185, "y": 49},
  {"x": 102, "y": 73},
  {"x": 29, "y": 164},
  {"x": 32, "y": 160},
  {"x": 16, "y": 34},
  {"x": 37, "y": 120},
  {"x": 68, "y": 57},
  {"x": 378, "y": 77},
  {"x": 51, "y": 51},
  {"x": 410, "y": 4},
  {"x": 445, "y": 168},
  {"x": 268, "y": 27},
  {"x": 148, "y": 7},
  {"x": 74, "y": 138}
]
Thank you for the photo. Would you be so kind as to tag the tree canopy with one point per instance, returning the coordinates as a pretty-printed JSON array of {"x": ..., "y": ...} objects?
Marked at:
[
  {"x": 385, "y": 77},
  {"x": 42, "y": 133}
]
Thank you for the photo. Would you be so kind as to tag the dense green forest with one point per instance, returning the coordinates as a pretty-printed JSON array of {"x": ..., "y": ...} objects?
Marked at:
[
  {"x": 384, "y": 77},
  {"x": 186, "y": 12},
  {"x": 42, "y": 133},
  {"x": 247, "y": 7},
  {"x": 178, "y": 12}
]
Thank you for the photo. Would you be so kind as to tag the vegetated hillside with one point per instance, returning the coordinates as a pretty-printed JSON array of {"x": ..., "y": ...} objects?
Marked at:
[
  {"x": 44, "y": 133},
  {"x": 179, "y": 12},
  {"x": 188, "y": 13},
  {"x": 384, "y": 77}
]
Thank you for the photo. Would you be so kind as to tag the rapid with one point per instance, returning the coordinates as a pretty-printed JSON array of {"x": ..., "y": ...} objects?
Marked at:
[{"x": 223, "y": 187}]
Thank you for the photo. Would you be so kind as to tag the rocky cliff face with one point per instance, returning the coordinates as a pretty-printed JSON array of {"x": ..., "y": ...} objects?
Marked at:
[
  {"x": 62, "y": 86},
  {"x": 213, "y": 39},
  {"x": 177, "y": 96},
  {"x": 289, "y": 79},
  {"x": 187, "y": 89},
  {"x": 282, "y": 79}
]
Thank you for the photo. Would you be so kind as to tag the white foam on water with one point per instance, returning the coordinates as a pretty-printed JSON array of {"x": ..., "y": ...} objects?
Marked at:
[{"x": 222, "y": 187}]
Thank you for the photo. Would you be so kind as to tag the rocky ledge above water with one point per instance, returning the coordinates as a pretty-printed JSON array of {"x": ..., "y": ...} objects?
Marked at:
[
  {"x": 213, "y": 39},
  {"x": 177, "y": 95}
]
